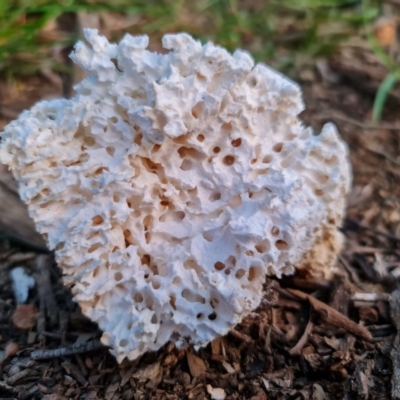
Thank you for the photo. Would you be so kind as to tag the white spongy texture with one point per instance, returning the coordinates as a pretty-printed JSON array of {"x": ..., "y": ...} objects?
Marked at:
[{"x": 171, "y": 184}]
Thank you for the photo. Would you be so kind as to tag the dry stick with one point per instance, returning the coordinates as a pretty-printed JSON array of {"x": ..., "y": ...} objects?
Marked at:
[
  {"x": 48, "y": 304},
  {"x": 395, "y": 352},
  {"x": 67, "y": 351},
  {"x": 333, "y": 317},
  {"x": 376, "y": 231},
  {"x": 361, "y": 124}
]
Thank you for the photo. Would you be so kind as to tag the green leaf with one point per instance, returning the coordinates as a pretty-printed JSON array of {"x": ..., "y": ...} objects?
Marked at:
[{"x": 381, "y": 96}]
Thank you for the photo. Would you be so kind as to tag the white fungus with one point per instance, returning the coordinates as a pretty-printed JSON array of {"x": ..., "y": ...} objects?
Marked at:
[{"x": 170, "y": 185}]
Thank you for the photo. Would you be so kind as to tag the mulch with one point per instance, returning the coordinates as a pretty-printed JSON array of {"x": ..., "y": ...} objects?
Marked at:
[{"x": 309, "y": 339}]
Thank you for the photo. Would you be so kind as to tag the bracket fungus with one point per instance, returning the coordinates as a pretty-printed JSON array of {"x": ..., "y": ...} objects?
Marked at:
[{"x": 171, "y": 184}]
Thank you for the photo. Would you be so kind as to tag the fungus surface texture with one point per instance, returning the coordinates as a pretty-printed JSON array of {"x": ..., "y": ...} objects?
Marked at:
[{"x": 171, "y": 184}]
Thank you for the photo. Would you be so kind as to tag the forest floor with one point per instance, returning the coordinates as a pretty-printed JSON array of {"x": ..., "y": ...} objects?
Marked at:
[{"x": 311, "y": 338}]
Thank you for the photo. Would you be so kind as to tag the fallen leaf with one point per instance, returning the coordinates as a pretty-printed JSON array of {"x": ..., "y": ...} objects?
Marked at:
[{"x": 25, "y": 316}]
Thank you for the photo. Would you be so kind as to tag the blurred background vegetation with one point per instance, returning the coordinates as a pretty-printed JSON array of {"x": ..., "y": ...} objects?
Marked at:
[{"x": 37, "y": 35}]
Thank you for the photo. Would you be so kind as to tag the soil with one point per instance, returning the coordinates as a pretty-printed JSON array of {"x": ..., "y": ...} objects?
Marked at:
[{"x": 310, "y": 339}]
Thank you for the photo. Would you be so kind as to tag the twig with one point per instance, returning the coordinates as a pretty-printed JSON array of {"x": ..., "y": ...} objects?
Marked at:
[
  {"x": 67, "y": 351},
  {"x": 243, "y": 337},
  {"x": 361, "y": 124},
  {"x": 333, "y": 317},
  {"x": 370, "y": 297},
  {"x": 25, "y": 373},
  {"x": 294, "y": 351},
  {"x": 386, "y": 156}
]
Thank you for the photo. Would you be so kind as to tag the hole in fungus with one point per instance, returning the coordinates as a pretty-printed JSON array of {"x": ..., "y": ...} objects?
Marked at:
[
  {"x": 100, "y": 170},
  {"x": 138, "y": 297},
  {"x": 207, "y": 236},
  {"x": 128, "y": 237},
  {"x": 216, "y": 149},
  {"x": 275, "y": 231},
  {"x": 254, "y": 273},
  {"x": 200, "y": 138},
  {"x": 281, "y": 245},
  {"x": 97, "y": 220},
  {"x": 138, "y": 139},
  {"x": 235, "y": 201},
  {"x": 236, "y": 142},
  {"x": 219, "y": 266},
  {"x": 123, "y": 343},
  {"x": 155, "y": 148},
  {"x": 253, "y": 161},
  {"x": 174, "y": 216},
  {"x": 201, "y": 77},
  {"x": 94, "y": 247},
  {"x": 231, "y": 260},
  {"x": 186, "y": 165},
  {"x": 147, "y": 221},
  {"x": 129, "y": 326},
  {"x": 191, "y": 264},
  {"x": 156, "y": 284},
  {"x": 249, "y": 253},
  {"x": 278, "y": 147},
  {"x": 110, "y": 150},
  {"x": 200, "y": 316},
  {"x": 323, "y": 179},
  {"x": 172, "y": 302},
  {"x": 260, "y": 110},
  {"x": 263, "y": 246},
  {"x": 114, "y": 119},
  {"x": 253, "y": 82},
  {"x": 164, "y": 201},
  {"x": 96, "y": 272},
  {"x": 319, "y": 192},
  {"x": 138, "y": 334},
  {"x": 118, "y": 276},
  {"x": 59, "y": 246},
  {"x": 228, "y": 271},
  {"x": 198, "y": 110},
  {"x": 192, "y": 297},
  {"x": 116, "y": 197},
  {"x": 115, "y": 248},
  {"x": 212, "y": 316},
  {"x": 215, "y": 197},
  {"x": 89, "y": 141},
  {"x": 154, "y": 319},
  {"x": 259, "y": 172},
  {"x": 267, "y": 159},
  {"x": 331, "y": 160},
  {"x": 229, "y": 160},
  {"x": 45, "y": 192},
  {"x": 176, "y": 280},
  {"x": 261, "y": 194},
  {"x": 145, "y": 259},
  {"x": 240, "y": 273},
  {"x": 227, "y": 127}
]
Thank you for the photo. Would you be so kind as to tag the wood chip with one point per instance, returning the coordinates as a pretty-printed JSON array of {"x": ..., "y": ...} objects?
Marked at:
[{"x": 197, "y": 366}]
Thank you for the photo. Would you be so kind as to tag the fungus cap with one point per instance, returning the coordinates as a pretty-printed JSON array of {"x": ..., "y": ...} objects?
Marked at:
[{"x": 171, "y": 184}]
